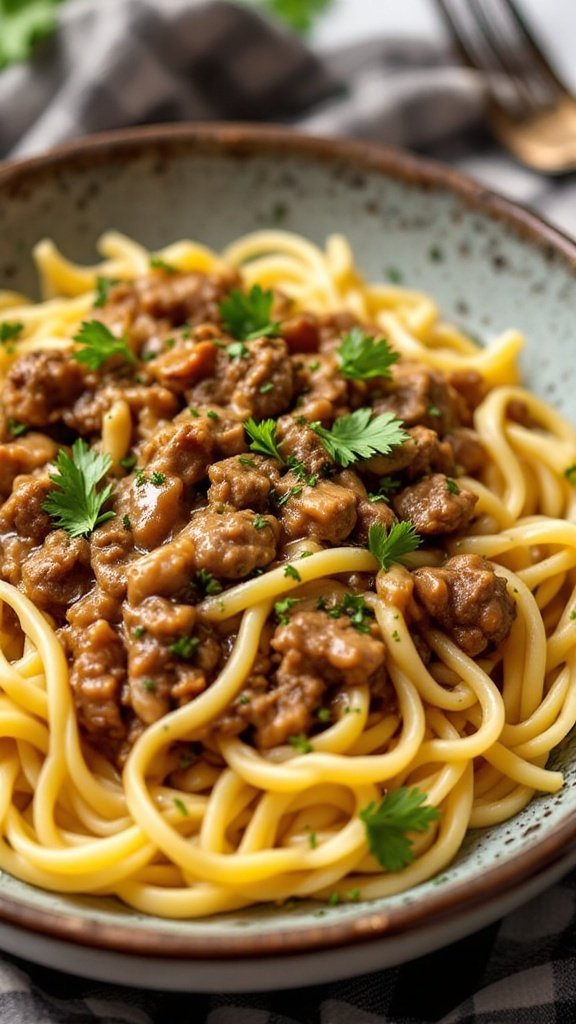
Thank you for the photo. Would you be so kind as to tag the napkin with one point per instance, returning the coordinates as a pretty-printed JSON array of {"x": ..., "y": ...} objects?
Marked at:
[{"x": 114, "y": 63}]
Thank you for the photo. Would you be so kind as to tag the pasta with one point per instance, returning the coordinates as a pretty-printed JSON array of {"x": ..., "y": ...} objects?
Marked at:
[{"x": 183, "y": 813}]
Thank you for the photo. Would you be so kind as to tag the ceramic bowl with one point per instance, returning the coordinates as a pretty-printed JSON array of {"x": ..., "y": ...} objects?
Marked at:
[{"x": 491, "y": 265}]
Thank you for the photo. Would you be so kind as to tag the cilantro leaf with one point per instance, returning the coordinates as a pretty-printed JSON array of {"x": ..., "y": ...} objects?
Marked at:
[
  {"x": 391, "y": 547},
  {"x": 388, "y": 824},
  {"x": 360, "y": 436},
  {"x": 247, "y": 316},
  {"x": 363, "y": 356},
  {"x": 99, "y": 345},
  {"x": 23, "y": 23},
  {"x": 263, "y": 437},
  {"x": 75, "y": 503}
]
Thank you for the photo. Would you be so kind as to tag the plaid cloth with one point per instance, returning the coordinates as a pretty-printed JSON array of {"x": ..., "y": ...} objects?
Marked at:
[{"x": 119, "y": 62}]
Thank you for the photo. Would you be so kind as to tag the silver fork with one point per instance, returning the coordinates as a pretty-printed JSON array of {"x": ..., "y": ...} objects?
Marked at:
[{"x": 531, "y": 111}]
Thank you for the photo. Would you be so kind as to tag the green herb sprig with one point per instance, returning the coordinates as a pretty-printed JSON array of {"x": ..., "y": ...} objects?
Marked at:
[
  {"x": 99, "y": 345},
  {"x": 362, "y": 356},
  {"x": 389, "y": 823},
  {"x": 247, "y": 316},
  {"x": 391, "y": 546},
  {"x": 361, "y": 435},
  {"x": 75, "y": 503}
]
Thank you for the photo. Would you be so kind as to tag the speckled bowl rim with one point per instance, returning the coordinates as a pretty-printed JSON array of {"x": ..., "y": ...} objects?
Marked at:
[{"x": 16, "y": 178}]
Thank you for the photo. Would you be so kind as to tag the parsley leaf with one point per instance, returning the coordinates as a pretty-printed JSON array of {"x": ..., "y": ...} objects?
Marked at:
[
  {"x": 263, "y": 437},
  {"x": 301, "y": 743},
  {"x": 452, "y": 486},
  {"x": 157, "y": 263},
  {"x": 237, "y": 350},
  {"x": 386, "y": 488},
  {"x": 387, "y": 825},
  {"x": 360, "y": 436},
  {"x": 391, "y": 547},
  {"x": 103, "y": 286},
  {"x": 99, "y": 345},
  {"x": 15, "y": 428},
  {"x": 207, "y": 582},
  {"x": 355, "y": 607},
  {"x": 247, "y": 316},
  {"x": 75, "y": 503},
  {"x": 292, "y": 573},
  {"x": 281, "y": 609},
  {"x": 570, "y": 474},
  {"x": 363, "y": 356},
  {"x": 10, "y": 331},
  {"x": 23, "y": 23},
  {"x": 300, "y": 15},
  {"x": 185, "y": 647}
]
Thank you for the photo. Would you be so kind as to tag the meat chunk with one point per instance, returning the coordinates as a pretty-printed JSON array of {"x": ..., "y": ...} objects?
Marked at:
[
  {"x": 259, "y": 382},
  {"x": 58, "y": 573},
  {"x": 423, "y": 452},
  {"x": 22, "y": 512},
  {"x": 435, "y": 505},
  {"x": 317, "y": 652},
  {"x": 186, "y": 447},
  {"x": 244, "y": 481},
  {"x": 470, "y": 385},
  {"x": 97, "y": 675},
  {"x": 111, "y": 549},
  {"x": 469, "y": 452},
  {"x": 323, "y": 393},
  {"x": 170, "y": 658},
  {"x": 421, "y": 396},
  {"x": 297, "y": 441},
  {"x": 326, "y": 512},
  {"x": 183, "y": 365},
  {"x": 301, "y": 333},
  {"x": 469, "y": 601},
  {"x": 23, "y": 455},
  {"x": 149, "y": 404},
  {"x": 41, "y": 386},
  {"x": 227, "y": 543},
  {"x": 155, "y": 506}
]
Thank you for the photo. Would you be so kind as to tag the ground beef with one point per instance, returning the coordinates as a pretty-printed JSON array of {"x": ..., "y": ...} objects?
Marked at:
[
  {"x": 297, "y": 441},
  {"x": 226, "y": 543},
  {"x": 325, "y": 512},
  {"x": 317, "y": 652},
  {"x": 468, "y": 600},
  {"x": 186, "y": 447},
  {"x": 150, "y": 405},
  {"x": 323, "y": 394},
  {"x": 40, "y": 387},
  {"x": 301, "y": 333},
  {"x": 421, "y": 396},
  {"x": 97, "y": 673},
  {"x": 23, "y": 524},
  {"x": 259, "y": 383},
  {"x": 24, "y": 455},
  {"x": 244, "y": 481},
  {"x": 435, "y": 505},
  {"x": 57, "y": 573},
  {"x": 111, "y": 549},
  {"x": 422, "y": 453}
]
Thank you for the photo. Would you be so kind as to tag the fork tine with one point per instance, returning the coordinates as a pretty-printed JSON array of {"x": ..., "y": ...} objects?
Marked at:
[
  {"x": 536, "y": 50},
  {"x": 467, "y": 30},
  {"x": 513, "y": 54}
]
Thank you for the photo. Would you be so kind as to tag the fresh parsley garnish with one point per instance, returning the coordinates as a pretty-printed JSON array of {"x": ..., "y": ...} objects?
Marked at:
[
  {"x": 386, "y": 487},
  {"x": 292, "y": 573},
  {"x": 180, "y": 807},
  {"x": 361, "y": 435},
  {"x": 324, "y": 715},
  {"x": 452, "y": 486},
  {"x": 157, "y": 263},
  {"x": 158, "y": 478},
  {"x": 260, "y": 522},
  {"x": 75, "y": 502},
  {"x": 355, "y": 607},
  {"x": 247, "y": 316},
  {"x": 301, "y": 743},
  {"x": 281, "y": 609},
  {"x": 363, "y": 356},
  {"x": 10, "y": 330},
  {"x": 299, "y": 14},
  {"x": 207, "y": 583},
  {"x": 263, "y": 437},
  {"x": 237, "y": 350},
  {"x": 99, "y": 345},
  {"x": 389, "y": 823},
  {"x": 185, "y": 647},
  {"x": 15, "y": 428},
  {"x": 389, "y": 547},
  {"x": 570, "y": 474},
  {"x": 103, "y": 286}
]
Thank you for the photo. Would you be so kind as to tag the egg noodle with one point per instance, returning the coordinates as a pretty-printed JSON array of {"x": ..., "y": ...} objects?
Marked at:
[{"x": 241, "y": 833}]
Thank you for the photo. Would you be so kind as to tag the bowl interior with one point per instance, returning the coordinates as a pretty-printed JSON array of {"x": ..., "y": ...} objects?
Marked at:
[{"x": 487, "y": 270}]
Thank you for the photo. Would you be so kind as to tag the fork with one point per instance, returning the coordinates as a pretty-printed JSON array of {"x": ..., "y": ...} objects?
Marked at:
[{"x": 531, "y": 112}]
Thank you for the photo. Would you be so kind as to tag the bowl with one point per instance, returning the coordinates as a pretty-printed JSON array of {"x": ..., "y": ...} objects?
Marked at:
[{"x": 490, "y": 264}]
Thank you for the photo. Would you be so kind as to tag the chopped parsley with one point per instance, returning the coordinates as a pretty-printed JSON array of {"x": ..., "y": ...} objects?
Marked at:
[
  {"x": 103, "y": 286},
  {"x": 138, "y": 632},
  {"x": 212, "y": 415},
  {"x": 334, "y": 898},
  {"x": 237, "y": 350},
  {"x": 140, "y": 477},
  {"x": 260, "y": 522},
  {"x": 312, "y": 840},
  {"x": 128, "y": 462},
  {"x": 301, "y": 743},
  {"x": 263, "y": 437},
  {"x": 15, "y": 428},
  {"x": 301, "y": 472},
  {"x": 292, "y": 573},
  {"x": 355, "y": 607},
  {"x": 389, "y": 823},
  {"x": 247, "y": 461},
  {"x": 247, "y": 316},
  {"x": 149, "y": 685},
  {"x": 265, "y": 388},
  {"x": 292, "y": 492},
  {"x": 158, "y": 478},
  {"x": 99, "y": 345},
  {"x": 324, "y": 715},
  {"x": 570, "y": 474},
  {"x": 185, "y": 647},
  {"x": 386, "y": 487},
  {"x": 181, "y": 806},
  {"x": 363, "y": 356},
  {"x": 126, "y": 522},
  {"x": 10, "y": 331},
  {"x": 207, "y": 583},
  {"x": 433, "y": 410},
  {"x": 281, "y": 609},
  {"x": 390, "y": 547},
  {"x": 361, "y": 435},
  {"x": 157, "y": 263},
  {"x": 452, "y": 486},
  {"x": 75, "y": 503}
]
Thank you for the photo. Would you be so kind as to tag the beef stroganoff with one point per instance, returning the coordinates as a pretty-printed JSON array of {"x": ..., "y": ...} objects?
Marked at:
[{"x": 288, "y": 571}]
